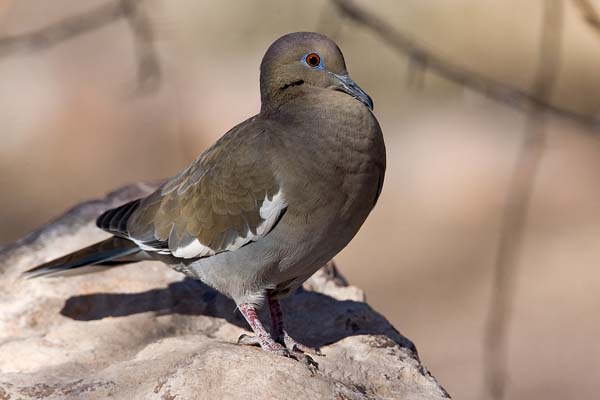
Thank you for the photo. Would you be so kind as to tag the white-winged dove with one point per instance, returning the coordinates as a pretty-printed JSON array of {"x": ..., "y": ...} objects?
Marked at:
[{"x": 271, "y": 201}]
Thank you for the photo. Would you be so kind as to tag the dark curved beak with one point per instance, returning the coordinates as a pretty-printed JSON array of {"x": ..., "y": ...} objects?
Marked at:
[{"x": 345, "y": 84}]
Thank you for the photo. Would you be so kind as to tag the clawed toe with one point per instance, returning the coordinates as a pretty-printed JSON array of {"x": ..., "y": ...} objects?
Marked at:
[
  {"x": 248, "y": 340},
  {"x": 294, "y": 346},
  {"x": 267, "y": 345},
  {"x": 305, "y": 359},
  {"x": 297, "y": 355},
  {"x": 274, "y": 348},
  {"x": 281, "y": 351},
  {"x": 290, "y": 344},
  {"x": 284, "y": 345},
  {"x": 295, "y": 351},
  {"x": 305, "y": 349}
]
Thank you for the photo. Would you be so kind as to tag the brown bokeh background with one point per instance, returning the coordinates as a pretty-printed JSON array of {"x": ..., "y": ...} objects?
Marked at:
[{"x": 73, "y": 127}]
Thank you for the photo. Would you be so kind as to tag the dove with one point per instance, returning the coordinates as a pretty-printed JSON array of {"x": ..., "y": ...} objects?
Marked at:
[{"x": 272, "y": 201}]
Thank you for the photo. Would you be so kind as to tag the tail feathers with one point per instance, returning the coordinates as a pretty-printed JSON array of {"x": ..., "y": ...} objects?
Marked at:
[{"x": 100, "y": 253}]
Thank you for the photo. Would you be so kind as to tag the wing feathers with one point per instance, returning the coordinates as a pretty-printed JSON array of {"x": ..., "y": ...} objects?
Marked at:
[
  {"x": 236, "y": 233},
  {"x": 115, "y": 220},
  {"x": 227, "y": 198}
]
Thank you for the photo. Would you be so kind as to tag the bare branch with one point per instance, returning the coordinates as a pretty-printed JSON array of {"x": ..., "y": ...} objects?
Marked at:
[
  {"x": 149, "y": 72},
  {"x": 498, "y": 91},
  {"x": 61, "y": 31},
  {"x": 589, "y": 14},
  {"x": 517, "y": 205}
]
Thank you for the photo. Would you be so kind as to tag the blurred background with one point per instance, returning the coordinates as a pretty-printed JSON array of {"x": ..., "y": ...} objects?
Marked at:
[{"x": 484, "y": 247}]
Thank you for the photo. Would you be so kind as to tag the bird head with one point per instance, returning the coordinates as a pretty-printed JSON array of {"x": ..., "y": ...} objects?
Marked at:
[{"x": 298, "y": 62}]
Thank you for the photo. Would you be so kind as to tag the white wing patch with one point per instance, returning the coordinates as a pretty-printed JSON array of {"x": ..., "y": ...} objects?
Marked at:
[
  {"x": 270, "y": 211},
  {"x": 193, "y": 249}
]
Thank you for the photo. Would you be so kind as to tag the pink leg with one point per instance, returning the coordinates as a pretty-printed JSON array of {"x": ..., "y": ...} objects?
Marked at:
[
  {"x": 263, "y": 338},
  {"x": 276, "y": 317},
  {"x": 279, "y": 332}
]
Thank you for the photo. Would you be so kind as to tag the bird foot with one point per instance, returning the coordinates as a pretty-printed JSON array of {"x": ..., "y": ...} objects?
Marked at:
[
  {"x": 269, "y": 346},
  {"x": 290, "y": 344},
  {"x": 293, "y": 345},
  {"x": 305, "y": 359},
  {"x": 248, "y": 340},
  {"x": 294, "y": 350}
]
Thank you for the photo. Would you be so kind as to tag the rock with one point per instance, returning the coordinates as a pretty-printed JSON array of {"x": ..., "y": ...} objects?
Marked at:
[{"x": 143, "y": 331}]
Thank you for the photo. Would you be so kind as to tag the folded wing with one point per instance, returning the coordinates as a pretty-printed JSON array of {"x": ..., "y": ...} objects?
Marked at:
[{"x": 227, "y": 198}]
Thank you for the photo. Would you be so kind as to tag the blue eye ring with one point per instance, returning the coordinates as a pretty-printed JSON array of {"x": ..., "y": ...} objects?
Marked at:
[{"x": 313, "y": 60}]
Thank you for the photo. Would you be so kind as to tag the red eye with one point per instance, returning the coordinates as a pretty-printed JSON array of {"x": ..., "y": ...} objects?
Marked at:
[{"x": 313, "y": 60}]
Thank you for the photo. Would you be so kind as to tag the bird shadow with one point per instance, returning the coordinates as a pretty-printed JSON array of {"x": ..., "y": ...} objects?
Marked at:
[{"x": 312, "y": 318}]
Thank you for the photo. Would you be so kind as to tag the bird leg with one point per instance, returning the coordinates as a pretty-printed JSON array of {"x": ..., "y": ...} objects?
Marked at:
[
  {"x": 279, "y": 332},
  {"x": 283, "y": 344},
  {"x": 263, "y": 338}
]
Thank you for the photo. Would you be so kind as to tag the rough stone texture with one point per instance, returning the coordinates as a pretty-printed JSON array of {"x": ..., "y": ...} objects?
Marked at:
[{"x": 142, "y": 331}]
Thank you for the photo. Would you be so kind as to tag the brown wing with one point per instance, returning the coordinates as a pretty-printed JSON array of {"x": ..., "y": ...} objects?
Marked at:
[{"x": 225, "y": 199}]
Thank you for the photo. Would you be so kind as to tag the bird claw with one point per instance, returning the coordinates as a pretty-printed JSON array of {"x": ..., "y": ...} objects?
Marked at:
[
  {"x": 248, "y": 340},
  {"x": 290, "y": 344},
  {"x": 294, "y": 351},
  {"x": 267, "y": 345},
  {"x": 305, "y": 359},
  {"x": 301, "y": 357},
  {"x": 295, "y": 346}
]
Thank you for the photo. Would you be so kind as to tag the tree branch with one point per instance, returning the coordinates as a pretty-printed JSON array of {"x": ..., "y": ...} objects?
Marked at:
[
  {"x": 495, "y": 90},
  {"x": 149, "y": 71},
  {"x": 589, "y": 14},
  {"x": 517, "y": 205}
]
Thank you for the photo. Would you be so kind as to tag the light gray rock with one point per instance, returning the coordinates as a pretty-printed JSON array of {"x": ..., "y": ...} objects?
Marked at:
[{"x": 142, "y": 331}]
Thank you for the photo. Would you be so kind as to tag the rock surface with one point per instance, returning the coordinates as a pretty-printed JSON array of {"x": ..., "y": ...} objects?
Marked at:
[{"x": 143, "y": 331}]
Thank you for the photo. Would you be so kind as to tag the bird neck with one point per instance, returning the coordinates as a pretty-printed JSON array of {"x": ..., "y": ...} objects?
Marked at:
[{"x": 281, "y": 100}]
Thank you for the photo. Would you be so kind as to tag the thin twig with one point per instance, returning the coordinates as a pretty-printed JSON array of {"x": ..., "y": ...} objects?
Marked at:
[
  {"x": 99, "y": 17},
  {"x": 498, "y": 91},
  {"x": 149, "y": 71},
  {"x": 517, "y": 205},
  {"x": 61, "y": 31},
  {"x": 589, "y": 14}
]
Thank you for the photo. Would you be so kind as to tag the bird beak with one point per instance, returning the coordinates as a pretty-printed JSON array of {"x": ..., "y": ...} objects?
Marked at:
[{"x": 345, "y": 84}]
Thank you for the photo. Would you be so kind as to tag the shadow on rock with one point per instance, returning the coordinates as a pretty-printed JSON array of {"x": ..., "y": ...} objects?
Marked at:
[{"x": 313, "y": 318}]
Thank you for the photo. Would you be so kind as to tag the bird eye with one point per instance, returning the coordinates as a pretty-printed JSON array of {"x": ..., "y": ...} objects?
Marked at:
[{"x": 313, "y": 60}]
